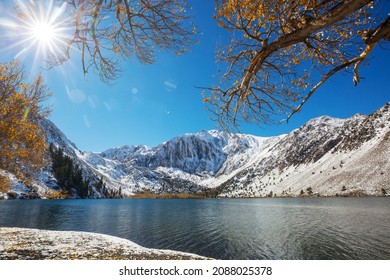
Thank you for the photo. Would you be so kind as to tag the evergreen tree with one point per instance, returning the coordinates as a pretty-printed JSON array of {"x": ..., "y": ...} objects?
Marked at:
[{"x": 68, "y": 174}]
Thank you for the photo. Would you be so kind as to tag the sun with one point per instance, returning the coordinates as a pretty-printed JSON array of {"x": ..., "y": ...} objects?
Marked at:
[
  {"x": 47, "y": 36},
  {"x": 42, "y": 27},
  {"x": 44, "y": 33}
]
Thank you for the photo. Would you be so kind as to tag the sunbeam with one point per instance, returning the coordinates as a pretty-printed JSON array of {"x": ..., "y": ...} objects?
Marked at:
[{"x": 40, "y": 27}]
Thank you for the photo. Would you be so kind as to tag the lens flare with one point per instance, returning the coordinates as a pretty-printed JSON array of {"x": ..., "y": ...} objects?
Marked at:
[{"x": 41, "y": 27}]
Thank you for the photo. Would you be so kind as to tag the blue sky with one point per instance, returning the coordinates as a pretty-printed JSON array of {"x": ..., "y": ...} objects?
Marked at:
[{"x": 150, "y": 104}]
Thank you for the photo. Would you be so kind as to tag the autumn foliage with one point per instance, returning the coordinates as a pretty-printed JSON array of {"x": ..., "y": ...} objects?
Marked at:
[
  {"x": 22, "y": 140},
  {"x": 282, "y": 51}
]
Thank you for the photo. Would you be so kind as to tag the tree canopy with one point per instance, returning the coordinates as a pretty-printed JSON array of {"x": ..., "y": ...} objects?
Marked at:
[
  {"x": 282, "y": 51},
  {"x": 22, "y": 140},
  {"x": 108, "y": 31}
]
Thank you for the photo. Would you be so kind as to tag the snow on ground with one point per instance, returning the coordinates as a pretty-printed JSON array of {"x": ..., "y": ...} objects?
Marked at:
[
  {"x": 326, "y": 154},
  {"x": 27, "y": 244}
]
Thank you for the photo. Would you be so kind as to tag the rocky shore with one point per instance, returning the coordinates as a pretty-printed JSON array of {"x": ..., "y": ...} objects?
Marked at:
[{"x": 34, "y": 244}]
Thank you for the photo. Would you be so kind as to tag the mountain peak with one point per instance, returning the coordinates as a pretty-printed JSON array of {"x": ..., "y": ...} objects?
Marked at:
[
  {"x": 322, "y": 154},
  {"x": 325, "y": 121}
]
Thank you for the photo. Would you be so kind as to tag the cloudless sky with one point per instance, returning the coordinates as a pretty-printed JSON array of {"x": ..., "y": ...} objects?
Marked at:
[{"x": 150, "y": 104}]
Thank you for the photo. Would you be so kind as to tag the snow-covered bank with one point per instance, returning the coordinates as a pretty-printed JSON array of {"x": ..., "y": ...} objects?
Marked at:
[{"x": 34, "y": 244}]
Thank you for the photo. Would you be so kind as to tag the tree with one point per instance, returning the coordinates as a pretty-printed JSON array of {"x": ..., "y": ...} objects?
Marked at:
[
  {"x": 282, "y": 51},
  {"x": 99, "y": 185},
  {"x": 4, "y": 183},
  {"x": 68, "y": 174},
  {"x": 108, "y": 31},
  {"x": 22, "y": 140}
]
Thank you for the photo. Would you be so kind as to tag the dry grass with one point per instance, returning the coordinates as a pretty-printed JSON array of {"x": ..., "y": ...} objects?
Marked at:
[
  {"x": 52, "y": 194},
  {"x": 147, "y": 194}
]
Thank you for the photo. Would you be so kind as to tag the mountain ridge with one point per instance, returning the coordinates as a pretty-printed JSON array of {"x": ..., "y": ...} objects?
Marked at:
[{"x": 326, "y": 156}]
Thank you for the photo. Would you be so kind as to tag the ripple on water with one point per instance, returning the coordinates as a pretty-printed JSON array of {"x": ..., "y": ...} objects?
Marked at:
[{"x": 333, "y": 228}]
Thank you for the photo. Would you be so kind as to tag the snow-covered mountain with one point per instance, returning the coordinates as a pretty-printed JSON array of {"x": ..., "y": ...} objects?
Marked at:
[
  {"x": 184, "y": 164},
  {"x": 326, "y": 156}
]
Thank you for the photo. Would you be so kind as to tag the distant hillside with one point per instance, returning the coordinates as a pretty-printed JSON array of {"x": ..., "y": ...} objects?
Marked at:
[{"x": 325, "y": 157}]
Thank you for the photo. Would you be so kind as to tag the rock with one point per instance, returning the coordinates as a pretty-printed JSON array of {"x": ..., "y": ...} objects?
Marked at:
[{"x": 34, "y": 244}]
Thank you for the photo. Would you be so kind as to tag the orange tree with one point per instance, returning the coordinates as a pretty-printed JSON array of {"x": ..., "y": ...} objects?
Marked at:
[
  {"x": 282, "y": 51},
  {"x": 22, "y": 139}
]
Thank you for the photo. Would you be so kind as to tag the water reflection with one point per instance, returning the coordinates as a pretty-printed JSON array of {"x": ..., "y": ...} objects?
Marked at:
[{"x": 334, "y": 228}]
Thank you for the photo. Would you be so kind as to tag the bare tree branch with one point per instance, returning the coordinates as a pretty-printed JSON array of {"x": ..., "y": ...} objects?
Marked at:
[
  {"x": 106, "y": 32},
  {"x": 380, "y": 32},
  {"x": 282, "y": 47}
]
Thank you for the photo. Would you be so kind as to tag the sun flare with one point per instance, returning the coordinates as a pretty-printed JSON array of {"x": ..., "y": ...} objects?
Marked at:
[
  {"x": 44, "y": 27},
  {"x": 43, "y": 32},
  {"x": 41, "y": 27}
]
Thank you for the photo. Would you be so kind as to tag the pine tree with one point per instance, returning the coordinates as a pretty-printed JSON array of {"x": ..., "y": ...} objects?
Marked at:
[{"x": 68, "y": 174}]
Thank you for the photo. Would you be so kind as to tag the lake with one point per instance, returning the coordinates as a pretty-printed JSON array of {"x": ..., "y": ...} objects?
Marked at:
[{"x": 272, "y": 228}]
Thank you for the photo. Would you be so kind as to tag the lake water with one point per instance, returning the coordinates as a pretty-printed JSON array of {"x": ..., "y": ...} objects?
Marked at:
[{"x": 291, "y": 228}]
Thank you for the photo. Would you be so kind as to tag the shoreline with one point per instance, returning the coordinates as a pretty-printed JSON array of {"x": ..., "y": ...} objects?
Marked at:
[
  {"x": 15, "y": 196},
  {"x": 35, "y": 244}
]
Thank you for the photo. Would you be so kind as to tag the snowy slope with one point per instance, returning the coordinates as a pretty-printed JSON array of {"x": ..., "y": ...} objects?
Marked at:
[
  {"x": 330, "y": 156},
  {"x": 187, "y": 163},
  {"x": 343, "y": 153},
  {"x": 326, "y": 156}
]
